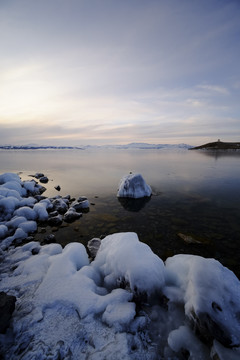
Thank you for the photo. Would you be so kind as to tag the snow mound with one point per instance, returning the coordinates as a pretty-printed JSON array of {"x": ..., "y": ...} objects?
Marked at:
[
  {"x": 123, "y": 259},
  {"x": 133, "y": 186},
  {"x": 69, "y": 308},
  {"x": 211, "y": 296}
]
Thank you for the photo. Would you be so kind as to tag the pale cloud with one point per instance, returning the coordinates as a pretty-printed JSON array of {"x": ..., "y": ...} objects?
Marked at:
[{"x": 90, "y": 71}]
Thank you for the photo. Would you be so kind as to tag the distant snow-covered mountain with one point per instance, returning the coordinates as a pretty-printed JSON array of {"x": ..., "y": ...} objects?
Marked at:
[{"x": 84, "y": 147}]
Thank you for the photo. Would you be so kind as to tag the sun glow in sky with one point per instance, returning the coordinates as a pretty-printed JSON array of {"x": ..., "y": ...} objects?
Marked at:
[{"x": 103, "y": 72}]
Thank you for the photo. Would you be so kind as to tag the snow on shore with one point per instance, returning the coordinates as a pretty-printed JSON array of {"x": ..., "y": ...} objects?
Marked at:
[{"x": 125, "y": 304}]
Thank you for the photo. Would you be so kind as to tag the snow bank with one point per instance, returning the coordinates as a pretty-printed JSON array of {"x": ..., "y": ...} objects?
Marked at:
[
  {"x": 123, "y": 259},
  {"x": 133, "y": 186},
  {"x": 66, "y": 305},
  {"x": 210, "y": 294}
]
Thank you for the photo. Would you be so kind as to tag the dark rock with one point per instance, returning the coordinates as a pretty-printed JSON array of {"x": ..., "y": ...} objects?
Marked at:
[
  {"x": 49, "y": 239},
  {"x": 93, "y": 245},
  {"x": 38, "y": 175},
  {"x": 207, "y": 329},
  {"x": 7, "y": 306},
  {"x": 82, "y": 205},
  {"x": 58, "y": 188},
  {"x": 35, "y": 251},
  {"x": 68, "y": 197},
  {"x": 60, "y": 205},
  {"x": 81, "y": 198},
  {"x": 43, "y": 179},
  {"x": 53, "y": 213},
  {"x": 71, "y": 215},
  {"x": 39, "y": 197},
  {"x": 55, "y": 220}
]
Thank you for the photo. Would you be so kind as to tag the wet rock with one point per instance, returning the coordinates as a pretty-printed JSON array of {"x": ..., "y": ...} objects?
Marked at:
[
  {"x": 60, "y": 205},
  {"x": 7, "y": 306},
  {"x": 49, "y": 239},
  {"x": 58, "y": 188},
  {"x": 53, "y": 213},
  {"x": 188, "y": 239},
  {"x": 39, "y": 197},
  {"x": 93, "y": 245},
  {"x": 55, "y": 220},
  {"x": 81, "y": 205},
  {"x": 44, "y": 179},
  {"x": 38, "y": 175},
  {"x": 71, "y": 215}
]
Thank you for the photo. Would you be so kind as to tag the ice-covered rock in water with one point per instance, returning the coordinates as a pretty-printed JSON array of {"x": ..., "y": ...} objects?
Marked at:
[
  {"x": 71, "y": 215},
  {"x": 133, "y": 186},
  {"x": 15, "y": 185},
  {"x": 9, "y": 177},
  {"x": 55, "y": 220},
  {"x": 41, "y": 209},
  {"x": 60, "y": 205},
  {"x": 211, "y": 296},
  {"x": 79, "y": 205},
  {"x": 28, "y": 226},
  {"x": 38, "y": 175},
  {"x": 27, "y": 212},
  {"x": 7, "y": 207},
  {"x": 122, "y": 258}
]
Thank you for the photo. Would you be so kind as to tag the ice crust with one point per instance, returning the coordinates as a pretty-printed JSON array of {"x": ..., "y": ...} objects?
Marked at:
[
  {"x": 125, "y": 304},
  {"x": 134, "y": 186}
]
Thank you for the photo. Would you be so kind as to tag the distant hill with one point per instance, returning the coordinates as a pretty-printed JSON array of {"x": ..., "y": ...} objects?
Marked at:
[{"x": 218, "y": 145}]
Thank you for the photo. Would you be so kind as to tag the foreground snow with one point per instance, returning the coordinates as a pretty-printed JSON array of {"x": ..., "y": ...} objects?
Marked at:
[
  {"x": 125, "y": 304},
  {"x": 116, "y": 306}
]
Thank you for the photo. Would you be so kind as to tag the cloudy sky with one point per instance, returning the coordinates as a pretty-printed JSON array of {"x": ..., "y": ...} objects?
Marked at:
[{"x": 78, "y": 72}]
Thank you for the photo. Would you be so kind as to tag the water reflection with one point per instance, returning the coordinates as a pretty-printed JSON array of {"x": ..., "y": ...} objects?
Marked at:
[
  {"x": 134, "y": 205},
  {"x": 220, "y": 153}
]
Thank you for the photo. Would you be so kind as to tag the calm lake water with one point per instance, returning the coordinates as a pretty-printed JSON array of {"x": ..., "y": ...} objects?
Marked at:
[{"x": 195, "y": 207}]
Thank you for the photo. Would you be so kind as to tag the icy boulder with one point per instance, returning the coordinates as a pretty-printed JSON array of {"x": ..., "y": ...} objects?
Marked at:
[
  {"x": 211, "y": 296},
  {"x": 133, "y": 186},
  {"x": 123, "y": 260}
]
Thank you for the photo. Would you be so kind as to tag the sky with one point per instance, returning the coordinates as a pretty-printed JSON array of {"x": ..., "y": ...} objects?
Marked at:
[{"x": 77, "y": 72}]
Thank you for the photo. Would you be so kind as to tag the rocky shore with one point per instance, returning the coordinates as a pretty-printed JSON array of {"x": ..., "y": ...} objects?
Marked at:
[
  {"x": 116, "y": 299},
  {"x": 218, "y": 145}
]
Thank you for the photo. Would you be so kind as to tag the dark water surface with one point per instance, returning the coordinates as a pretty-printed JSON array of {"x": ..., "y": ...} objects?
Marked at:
[{"x": 195, "y": 206}]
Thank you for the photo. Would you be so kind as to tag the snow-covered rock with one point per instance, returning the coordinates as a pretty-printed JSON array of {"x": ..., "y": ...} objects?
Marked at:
[
  {"x": 69, "y": 308},
  {"x": 71, "y": 215},
  {"x": 123, "y": 258},
  {"x": 133, "y": 186},
  {"x": 211, "y": 296}
]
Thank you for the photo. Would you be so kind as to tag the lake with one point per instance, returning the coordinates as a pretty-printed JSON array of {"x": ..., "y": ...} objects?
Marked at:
[{"x": 195, "y": 206}]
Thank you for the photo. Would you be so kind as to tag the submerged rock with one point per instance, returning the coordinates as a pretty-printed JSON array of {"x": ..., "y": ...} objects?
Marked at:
[{"x": 134, "y": 186}]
